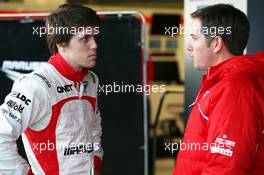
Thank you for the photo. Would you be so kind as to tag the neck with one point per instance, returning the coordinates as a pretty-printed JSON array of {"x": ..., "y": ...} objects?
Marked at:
[
  {"x": 222, "y": 57},
  {"x": 71, "y": 62}
]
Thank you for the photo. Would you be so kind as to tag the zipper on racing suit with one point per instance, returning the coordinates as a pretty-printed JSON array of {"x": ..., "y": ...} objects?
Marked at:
[{"x": 80, "y": 94}]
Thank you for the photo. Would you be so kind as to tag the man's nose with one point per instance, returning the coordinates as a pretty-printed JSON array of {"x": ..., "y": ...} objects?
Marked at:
[
  {"x": 189, "y": 47},
  {"x": 92, "y": 43}
]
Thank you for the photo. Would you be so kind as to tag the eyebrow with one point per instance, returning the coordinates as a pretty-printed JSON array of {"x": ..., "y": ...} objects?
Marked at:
[{"x": 85, "y": 36}]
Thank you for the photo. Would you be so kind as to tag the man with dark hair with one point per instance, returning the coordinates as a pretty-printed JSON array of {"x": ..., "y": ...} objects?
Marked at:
[
  {"x": 225, "y": 130},
  {"x": 55, "y": 107},
  {"x": 227, "y": 22}
]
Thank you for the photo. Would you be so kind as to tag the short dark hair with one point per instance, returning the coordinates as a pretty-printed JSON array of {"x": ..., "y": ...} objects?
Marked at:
[
  {"x": 224, "y": 15},
  {"x": 68, "y": 16}
]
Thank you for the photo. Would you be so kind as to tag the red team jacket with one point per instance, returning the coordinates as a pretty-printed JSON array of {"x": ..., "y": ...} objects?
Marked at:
[{"x": 225, "y": 131}]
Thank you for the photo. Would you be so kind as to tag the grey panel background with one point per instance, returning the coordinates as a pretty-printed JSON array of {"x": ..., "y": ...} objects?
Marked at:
[
  {"x": 192, "y": 83},
  {"x": 256, "y": 17},
  {"x": 255, "y": 44}
]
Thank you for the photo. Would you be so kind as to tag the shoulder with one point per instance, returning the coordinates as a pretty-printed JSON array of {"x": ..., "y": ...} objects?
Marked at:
[
  {"x": 34, "y": 81},
  {"x": 240, "y": 83}
]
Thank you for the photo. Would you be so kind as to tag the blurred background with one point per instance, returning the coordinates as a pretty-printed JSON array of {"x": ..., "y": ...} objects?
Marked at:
[{"x": 168, "y": 63}]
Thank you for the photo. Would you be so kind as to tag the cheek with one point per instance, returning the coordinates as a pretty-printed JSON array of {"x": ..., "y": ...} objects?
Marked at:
[
  {"x": 200, "y": 49},
  {"x": 197, "y": 49},
  {"x": 79, "y": 48},
  {"x": 80, "y": 53},
  {"x": 83, "y": 51}
]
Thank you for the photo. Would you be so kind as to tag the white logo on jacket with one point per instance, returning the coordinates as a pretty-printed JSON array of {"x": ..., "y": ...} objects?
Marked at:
[{"x": 223, "y": 146}]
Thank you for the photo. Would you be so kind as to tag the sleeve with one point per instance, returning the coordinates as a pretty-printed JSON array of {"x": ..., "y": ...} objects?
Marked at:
[
  {"x": 97, "y": 133},
  {"x": 16, "y": 114},
  {"x": 234, "y": 131}
]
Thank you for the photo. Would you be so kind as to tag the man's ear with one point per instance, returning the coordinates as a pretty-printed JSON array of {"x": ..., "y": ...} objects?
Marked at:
[
  {"x": 217, "y": 44},
  {"x": 61, "y": 47}
]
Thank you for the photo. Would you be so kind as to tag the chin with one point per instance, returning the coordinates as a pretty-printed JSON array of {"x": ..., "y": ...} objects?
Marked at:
[
  {"x": 201, "y": 68},
  {"x": 197, "y": 67},
  {"x": 91, "y": 65}
]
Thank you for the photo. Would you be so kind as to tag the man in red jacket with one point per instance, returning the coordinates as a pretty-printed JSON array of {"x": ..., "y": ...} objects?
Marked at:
[{"x": 225, "y": 131}]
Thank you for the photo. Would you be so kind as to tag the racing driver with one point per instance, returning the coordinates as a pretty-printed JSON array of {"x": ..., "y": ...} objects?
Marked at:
[{"x": 54, "y": 108}]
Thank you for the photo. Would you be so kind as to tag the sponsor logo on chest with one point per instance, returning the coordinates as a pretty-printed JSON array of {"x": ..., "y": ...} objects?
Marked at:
[
  {"x": 21, "y": 97},
  {"x": 65, "y": 88},
  {"x": 15, "y": 106}
]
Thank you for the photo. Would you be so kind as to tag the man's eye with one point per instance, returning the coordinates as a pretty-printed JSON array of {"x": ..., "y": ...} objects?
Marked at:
[{"x": 86, "y": 38}]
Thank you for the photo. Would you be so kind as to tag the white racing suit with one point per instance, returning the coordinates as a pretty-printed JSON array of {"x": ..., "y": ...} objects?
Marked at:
[{"x": 55, "y": 110}]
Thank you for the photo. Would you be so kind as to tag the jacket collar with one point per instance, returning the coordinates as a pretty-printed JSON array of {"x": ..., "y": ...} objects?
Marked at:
[
  {"x": 65, "y": 69},
  {"x": 248, "y": 63},
  {"x": 219, "y": 70}
]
